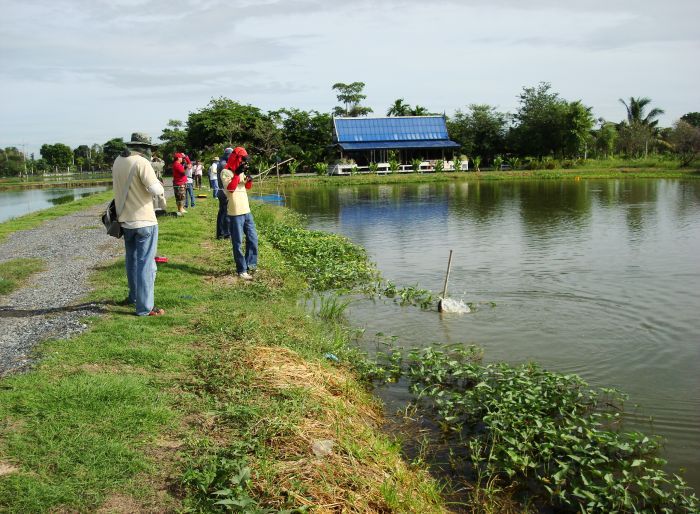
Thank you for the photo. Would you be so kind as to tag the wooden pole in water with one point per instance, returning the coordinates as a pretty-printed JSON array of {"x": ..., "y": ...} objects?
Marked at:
[{"x": 447, "y": 277}]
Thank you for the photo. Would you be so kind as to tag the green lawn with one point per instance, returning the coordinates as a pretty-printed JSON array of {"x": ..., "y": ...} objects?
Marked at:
[{"x": 15, "y": 272}]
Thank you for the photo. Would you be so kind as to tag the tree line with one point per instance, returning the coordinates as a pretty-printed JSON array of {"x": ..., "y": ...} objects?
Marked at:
[{"x": 544, "y": 128}]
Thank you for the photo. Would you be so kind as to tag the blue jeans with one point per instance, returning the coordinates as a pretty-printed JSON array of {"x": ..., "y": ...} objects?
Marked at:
[
  {"x": 239, "y": 225},
  {"x": 221, "y": 216},
  {"x": 140, "y": 246},
  {"x": 189, "y": 195},
  {"x": 214, "y": 183}
]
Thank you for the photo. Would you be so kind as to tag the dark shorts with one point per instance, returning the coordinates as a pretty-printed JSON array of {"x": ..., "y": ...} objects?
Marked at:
[{"x": 179, "y": 193}]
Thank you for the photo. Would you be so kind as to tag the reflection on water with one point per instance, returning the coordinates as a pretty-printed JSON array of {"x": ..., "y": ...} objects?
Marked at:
[
  {"x": 21, "y": 202},
  {"x": 599, "y": 278}
]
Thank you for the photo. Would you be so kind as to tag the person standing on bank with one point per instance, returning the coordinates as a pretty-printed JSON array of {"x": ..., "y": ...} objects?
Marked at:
[
  {"x": 133, "y": 176},
  {"x": 198, "y": 169},
  {"x": 189, "y": 186},
  {"x": 179, "y": 182},
  {"x": 214, "y": 177},
  {"x": 236, "y": 180},
  {"x": 221, "y": 217}
]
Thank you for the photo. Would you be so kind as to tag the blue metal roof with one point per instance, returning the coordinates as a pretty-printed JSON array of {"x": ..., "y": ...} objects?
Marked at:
[
  {"x": 399, "y": 128},
  {"x": 391, "y": 145}
]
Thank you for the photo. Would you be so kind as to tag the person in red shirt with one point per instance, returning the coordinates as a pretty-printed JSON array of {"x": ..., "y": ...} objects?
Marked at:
[{"x": 180, "y": 181}]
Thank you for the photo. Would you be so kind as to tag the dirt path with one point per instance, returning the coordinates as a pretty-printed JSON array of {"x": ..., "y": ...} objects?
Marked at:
[{"x": 50, "y": 304}]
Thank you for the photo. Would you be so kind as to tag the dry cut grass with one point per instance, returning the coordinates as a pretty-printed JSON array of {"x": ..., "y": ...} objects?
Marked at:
[{"x": 362, "y": 472}]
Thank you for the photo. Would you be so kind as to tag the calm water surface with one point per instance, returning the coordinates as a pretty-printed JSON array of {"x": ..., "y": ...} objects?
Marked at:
[
  {"x": 20, "y": 202},
  {"x": 598, "y": 278}
]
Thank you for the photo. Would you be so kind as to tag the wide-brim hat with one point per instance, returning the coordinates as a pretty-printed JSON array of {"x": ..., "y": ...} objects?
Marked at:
[{"x": 140, "y": 139}]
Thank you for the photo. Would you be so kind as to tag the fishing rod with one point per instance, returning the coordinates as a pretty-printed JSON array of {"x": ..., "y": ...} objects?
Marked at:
[{"x": 263, "y": 173}]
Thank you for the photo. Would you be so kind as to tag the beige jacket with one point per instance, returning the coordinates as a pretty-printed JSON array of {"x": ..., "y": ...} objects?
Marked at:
[
  {"x": 138, "y": 211},
  {"x": 238, "y": 199}
]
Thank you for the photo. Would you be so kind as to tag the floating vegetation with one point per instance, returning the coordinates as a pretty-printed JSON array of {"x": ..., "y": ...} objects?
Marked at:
[
  {"x": 330, "y": 261},
  {"x": 412, "y": 295},
  {"x": 549, "y": 437}
]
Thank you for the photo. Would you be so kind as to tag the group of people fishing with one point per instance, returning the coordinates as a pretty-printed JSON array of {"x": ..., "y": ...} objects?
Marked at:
[{"x": 136, "y": 183}]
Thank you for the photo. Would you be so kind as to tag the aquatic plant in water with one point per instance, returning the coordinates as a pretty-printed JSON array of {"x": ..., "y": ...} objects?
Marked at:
[{"x": 554, "y": 436}]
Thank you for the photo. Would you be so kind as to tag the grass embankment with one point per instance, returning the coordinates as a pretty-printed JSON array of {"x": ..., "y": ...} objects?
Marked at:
[
  {"x": 218, "y": 405},
  {"x": 48, "y": 181},
  {"x": 597, "y": 170},
  {"x": 34, "y": 219},
  {"x": 14, "y": 273}
]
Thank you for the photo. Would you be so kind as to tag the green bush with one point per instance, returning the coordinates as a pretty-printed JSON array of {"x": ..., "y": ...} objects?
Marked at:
[{"x": 321, "y": 168}]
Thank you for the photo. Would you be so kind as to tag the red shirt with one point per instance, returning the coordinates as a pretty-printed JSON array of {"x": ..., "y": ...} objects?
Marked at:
[{"x": 179, "y": 175}]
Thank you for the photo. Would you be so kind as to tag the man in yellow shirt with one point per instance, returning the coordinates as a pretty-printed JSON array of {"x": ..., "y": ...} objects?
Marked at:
[
  {"x": 135, "y": 183},
  {"x": 236, "y": 182}
]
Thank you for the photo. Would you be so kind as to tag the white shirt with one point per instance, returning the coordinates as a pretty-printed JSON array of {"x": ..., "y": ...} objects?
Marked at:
[{"x": 213, "y": 171}]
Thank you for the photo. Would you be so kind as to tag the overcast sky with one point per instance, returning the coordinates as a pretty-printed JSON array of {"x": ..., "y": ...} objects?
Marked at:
[{"x": 85, "y": 71}]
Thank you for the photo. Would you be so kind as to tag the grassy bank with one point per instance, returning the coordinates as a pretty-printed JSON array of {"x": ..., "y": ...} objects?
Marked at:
[
  {"x": 36, "y": 218},
  {"x": 9, "y": 184},
  {"x": 581, "y": 173},
  {"x": 225, "y": 404},
  {"x": 14, "y": 273}
]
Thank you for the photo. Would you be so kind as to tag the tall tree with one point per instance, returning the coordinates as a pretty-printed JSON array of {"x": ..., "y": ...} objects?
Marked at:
[
  {"x": 111, "y": 150},
  {"x": 350, "y": 95},
  {"x": 578, "y": 124},
  {"x": 604, "y": 138},
  {"x": 173, "y": 139},
  {"x": 640, "y": 127},
  {"x": 481, "y": 131},
  {"x": 419, "y": 110},
  {"x": 306, "y": 135},
  {"x": 399, "y": 108},
  {"x": 546, "y": 124},
  {"x": 636, "y": 112},
  {"x": 11, "y": 162},
  {"x": 693, "y": 118},
  {"x": 57, "y": 155},
  {"x": 225, "y": 122},
  {"x": 685, "y": 139}
]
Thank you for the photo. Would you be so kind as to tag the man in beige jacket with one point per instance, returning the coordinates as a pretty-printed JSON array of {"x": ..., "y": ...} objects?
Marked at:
[{"x": 133, "y": 177}]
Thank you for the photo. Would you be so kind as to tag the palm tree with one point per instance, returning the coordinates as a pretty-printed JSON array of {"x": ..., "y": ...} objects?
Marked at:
[
  {"x": 638, "y": 121},
  {"x": 635, "y": 112},
  {"x": 419, "y": 110},
  {"x": 399, "y": 108}
]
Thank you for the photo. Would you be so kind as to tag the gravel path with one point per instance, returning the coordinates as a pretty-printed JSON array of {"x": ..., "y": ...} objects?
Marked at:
[{"x": 50, "y": 306}]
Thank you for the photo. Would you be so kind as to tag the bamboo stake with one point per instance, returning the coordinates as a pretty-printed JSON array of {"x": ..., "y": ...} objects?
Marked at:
[{"x": 447, "y": 277}]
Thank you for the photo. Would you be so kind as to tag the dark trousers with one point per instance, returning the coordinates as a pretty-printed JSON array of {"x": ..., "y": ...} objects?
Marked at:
[{"x": 221, "y": 221}]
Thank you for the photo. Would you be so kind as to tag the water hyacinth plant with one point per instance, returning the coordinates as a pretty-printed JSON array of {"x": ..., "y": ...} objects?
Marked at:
[
  {"x": 329, "y": 261},
  {"x": 557, "y": 439}
]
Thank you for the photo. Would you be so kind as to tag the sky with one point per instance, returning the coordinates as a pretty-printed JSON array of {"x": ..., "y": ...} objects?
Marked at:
[{"x": 85, "y": 71}]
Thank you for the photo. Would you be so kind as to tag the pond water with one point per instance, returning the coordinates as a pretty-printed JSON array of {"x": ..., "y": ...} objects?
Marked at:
[
  {"x": 598, "y": 278},
  {"x": 19, "y": 202}
]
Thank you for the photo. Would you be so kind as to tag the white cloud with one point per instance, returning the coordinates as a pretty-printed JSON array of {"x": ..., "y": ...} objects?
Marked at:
[{"x": 83, "y": 71}]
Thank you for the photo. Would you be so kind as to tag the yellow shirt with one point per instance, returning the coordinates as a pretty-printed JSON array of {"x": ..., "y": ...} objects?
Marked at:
[{"x": 238, "y": 199}]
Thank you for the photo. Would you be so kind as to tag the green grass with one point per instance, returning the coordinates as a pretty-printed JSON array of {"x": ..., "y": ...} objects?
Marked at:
[
  {"x": 613, "y": 169},
  {"x": 15, "y": 272},
  {"x": 36, "y": 218},
  {"x": 218, "y": 400},
  {"x": 49, "y": 181}
]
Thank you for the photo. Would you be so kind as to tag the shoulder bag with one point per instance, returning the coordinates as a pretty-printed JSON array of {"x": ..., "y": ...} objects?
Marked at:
[{"x": 110, "y": 217}]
